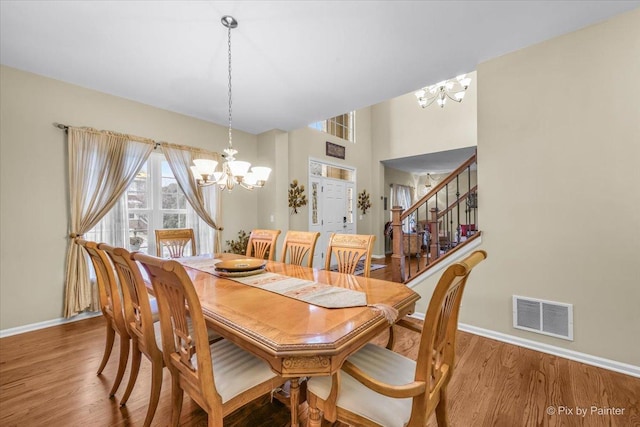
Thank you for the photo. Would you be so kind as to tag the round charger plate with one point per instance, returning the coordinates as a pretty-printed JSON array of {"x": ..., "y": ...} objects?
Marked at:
[
  {"x": 240, "y": 264},
  {"x": 222, "y": 273}
]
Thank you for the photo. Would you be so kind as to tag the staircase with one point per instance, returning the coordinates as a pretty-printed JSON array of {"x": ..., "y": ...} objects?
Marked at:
[{"x": 441, "y": 223}]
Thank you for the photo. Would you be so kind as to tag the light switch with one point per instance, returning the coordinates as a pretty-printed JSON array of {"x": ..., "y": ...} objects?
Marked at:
[{"x": 272, "y": 218}]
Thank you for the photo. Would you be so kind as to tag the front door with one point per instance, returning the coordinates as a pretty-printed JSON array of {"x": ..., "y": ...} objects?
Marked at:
[{"x": 332, "y": 211}]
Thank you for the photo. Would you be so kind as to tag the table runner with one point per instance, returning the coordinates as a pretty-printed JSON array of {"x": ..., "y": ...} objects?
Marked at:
[
  {"x": 308, "y": 291},
  {"x": 320, "y": 294}
]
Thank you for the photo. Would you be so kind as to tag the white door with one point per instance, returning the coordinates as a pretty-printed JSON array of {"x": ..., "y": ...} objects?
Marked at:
[{"x": 333, "y": 213}]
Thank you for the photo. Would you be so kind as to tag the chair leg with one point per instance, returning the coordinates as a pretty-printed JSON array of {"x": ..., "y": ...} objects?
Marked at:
[
  {"x": 136, "y": 355},
  {"x": 124, "y": 355},
  {"x": 108, "y": 346},
  {"x": 392, "y": 338},
  {"x": 315, "y": 420},
  {"x": 442, "y": 415},
  {"x": 156, "y": 387},
  {"x": 176, "y": 401}
]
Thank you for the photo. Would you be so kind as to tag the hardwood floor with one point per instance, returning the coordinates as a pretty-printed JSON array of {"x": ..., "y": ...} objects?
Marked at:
[{"x": 47, "y": 378}]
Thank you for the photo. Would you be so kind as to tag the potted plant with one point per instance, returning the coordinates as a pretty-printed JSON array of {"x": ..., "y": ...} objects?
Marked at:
[{"x": 238, "y": 246}]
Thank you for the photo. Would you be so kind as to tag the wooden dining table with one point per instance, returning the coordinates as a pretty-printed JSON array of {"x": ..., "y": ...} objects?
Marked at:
[{"x": 297, "y": 339}]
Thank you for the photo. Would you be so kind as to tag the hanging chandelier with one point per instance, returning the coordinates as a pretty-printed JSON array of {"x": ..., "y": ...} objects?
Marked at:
[
  {"x": 453, "y": 89},
  {"x": 232, "y": 171}
]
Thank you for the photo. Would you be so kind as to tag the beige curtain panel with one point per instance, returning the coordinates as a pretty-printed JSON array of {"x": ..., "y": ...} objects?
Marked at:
[
  {"x": 101, "y": 166},
  {"x": 204, "y": 200}
]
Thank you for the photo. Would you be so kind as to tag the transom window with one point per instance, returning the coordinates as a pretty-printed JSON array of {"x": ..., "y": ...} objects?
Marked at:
[{"x": 342, "y": 126}]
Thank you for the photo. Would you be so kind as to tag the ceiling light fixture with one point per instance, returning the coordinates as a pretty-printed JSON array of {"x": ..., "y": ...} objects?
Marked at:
[
  {"x": 454, "y": 89},
  {"x": 233, "y": 171},
  {"x": 427, "y": 183}
]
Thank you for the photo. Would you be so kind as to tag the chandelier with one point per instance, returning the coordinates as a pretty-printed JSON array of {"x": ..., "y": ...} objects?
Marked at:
[
  {"x": 454, "y": 89},
  {"x": 232, "y": 171}
]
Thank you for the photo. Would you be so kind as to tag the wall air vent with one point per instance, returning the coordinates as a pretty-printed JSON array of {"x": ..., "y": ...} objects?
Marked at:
[{"x": 544, "y": 317}]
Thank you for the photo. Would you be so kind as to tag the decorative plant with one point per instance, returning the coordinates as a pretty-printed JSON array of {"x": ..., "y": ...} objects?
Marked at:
[
  {"x": 238, "y": 246},
  {"x": 296, "y": 196},
  {"x": 363, "y": 201}
]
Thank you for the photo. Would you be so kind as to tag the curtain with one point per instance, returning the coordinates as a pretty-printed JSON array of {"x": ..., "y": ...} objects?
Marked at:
[
  {"x": 101, "y": 167},
  {"x": 403, "y": 197},
  {"x": 205, "y": 201}
]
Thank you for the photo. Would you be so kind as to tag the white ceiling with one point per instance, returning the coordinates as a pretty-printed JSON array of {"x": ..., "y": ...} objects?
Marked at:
[{"x": 293, "y": 62}]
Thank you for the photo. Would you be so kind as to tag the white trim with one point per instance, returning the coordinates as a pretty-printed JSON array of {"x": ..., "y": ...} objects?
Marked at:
[
  {"x": 46, "y": 324},
  {"x": 600, "y": 362},
  {"x": 374, "y": 256},
  {"x": 456, "y": 256}
]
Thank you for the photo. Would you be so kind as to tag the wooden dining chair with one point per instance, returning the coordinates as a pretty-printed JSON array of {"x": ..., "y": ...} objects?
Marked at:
[
  {"x": 142, "y": 321},
  {"x": 378, "y": 387},
  {"x": 348, "y": 250},
  {"x": 298, "y": 244},
  {"x": 220, "y": 378},
  {"x": 175, "y": 240},
  {"x": 111, "y": 306},
  {"x": 262, "y": 244}
]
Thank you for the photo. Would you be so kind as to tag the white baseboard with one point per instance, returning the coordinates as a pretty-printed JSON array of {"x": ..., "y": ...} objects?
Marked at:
[
  {"x": 374, "y": 256},
  {"x": 600, "y": 362},
  {"x": 46, "y": 324}
]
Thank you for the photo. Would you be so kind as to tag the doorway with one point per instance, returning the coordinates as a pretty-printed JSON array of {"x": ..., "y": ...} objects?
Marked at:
[{"x": 332, "y": 192}]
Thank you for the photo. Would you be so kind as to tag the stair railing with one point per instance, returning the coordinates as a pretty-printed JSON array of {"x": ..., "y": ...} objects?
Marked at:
[{"x": 440, "y": 223}]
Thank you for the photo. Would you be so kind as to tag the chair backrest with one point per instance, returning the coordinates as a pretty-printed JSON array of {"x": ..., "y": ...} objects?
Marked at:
[
  {"x": 348, "y": 250},
  {"x": 180, "y": 343},
  {"x": 436, "y": 354},
  {"x": 298, "y": 244},
  {"x": 108, "y": 287},
  {"x": 175, "y": 240},
  {"x": 137, "y": 309},
  {"x": 262, "y": 244}
]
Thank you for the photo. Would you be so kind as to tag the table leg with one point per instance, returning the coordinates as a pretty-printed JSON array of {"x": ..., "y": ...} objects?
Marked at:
[{"x": 294, "y": 392}]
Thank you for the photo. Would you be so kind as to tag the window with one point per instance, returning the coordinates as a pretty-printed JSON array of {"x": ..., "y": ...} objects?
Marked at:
[
  {"x": 153, "y": 201},
  {"x": 342, "y": 126}
]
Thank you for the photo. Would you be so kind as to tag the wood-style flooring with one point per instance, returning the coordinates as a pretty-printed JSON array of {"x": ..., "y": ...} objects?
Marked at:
[{"x": 48, "y": 378}]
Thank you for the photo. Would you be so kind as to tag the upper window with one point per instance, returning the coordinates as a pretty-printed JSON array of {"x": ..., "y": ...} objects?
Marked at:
[{"x": 342, "y": 126}]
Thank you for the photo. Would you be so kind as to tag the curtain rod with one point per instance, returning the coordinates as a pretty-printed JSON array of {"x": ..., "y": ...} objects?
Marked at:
[{"x": 66, "y": 129}]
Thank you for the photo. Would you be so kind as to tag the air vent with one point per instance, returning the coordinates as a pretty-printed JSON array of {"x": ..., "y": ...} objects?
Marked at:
[{"x": 544, "y": 317}]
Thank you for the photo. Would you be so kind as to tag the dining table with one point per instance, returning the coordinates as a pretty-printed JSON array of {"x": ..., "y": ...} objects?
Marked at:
[{"x": 298, "y": 338}]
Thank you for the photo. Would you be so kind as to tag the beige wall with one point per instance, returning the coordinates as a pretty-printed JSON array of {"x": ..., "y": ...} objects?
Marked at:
[
  {"x": 273, "y": 198},
  {"x": 309, "y": 143},
  {"x": 558, "y": 152},
  {"x": 558, "y": 141},
  {"x": 400, "y": 128},
  {"x": 33, "y": 180}
]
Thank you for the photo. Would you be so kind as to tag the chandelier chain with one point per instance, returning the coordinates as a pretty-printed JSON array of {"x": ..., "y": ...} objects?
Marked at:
[
  {"x": 231, "y": 172},
  {"x": 229, "y": 50}
]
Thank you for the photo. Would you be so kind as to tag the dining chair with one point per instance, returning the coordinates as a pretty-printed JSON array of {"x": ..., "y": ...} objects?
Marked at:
[
  {"x": 111, "y": 306},
  {"x": 378, "y": 387},
  {"x": 142, "y": 321},
  {"x": 262, "y": 244},
  {"x": 298, "y": 244},
  {"x": 175, "y": 240},
  {"x": 220, "y": 377},
  {"x": 348, "y": 250}
]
